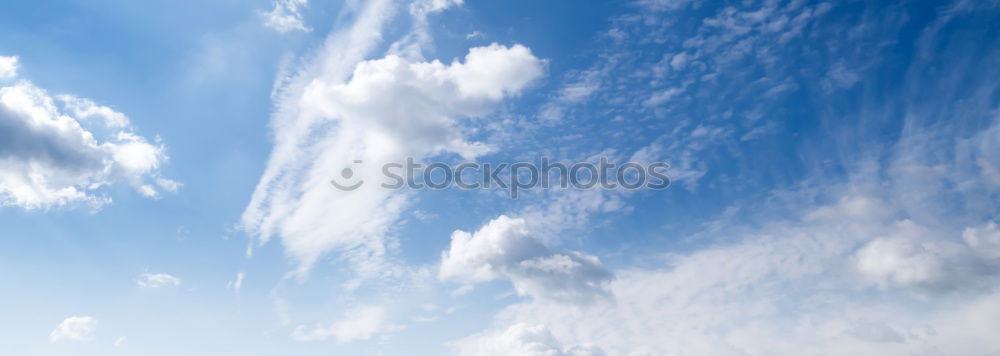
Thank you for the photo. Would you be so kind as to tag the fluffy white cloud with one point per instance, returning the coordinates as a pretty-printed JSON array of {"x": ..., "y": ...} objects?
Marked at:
[
  {"x": 80, "y": 329},
  {"x": 286, "y": 16},
  {"x": 908, "y": 258},
  {"x": 346, "y": 109},
  {"x": 505, "y": 248},
  {"x": 60, "y": 151},
  {"x": 358, "y": 324},
  {"x": 8, "y": 67},
  {"x": 157, "y": 280}
]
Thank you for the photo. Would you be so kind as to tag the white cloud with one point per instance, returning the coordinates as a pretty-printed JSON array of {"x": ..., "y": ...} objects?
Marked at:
[
  {"x": 237, "y": 283},
  {"x": 358, "y": 324},
  {"x": 523, "y": 339},
  {"x": 898, "y": 258},
  {"x": 119, "y": 341},
  {"x": 662, "y": 96},
  {"x": 783, "y": 289},
  {"x": 157, "y": 280},
  {"x": 905, "y": 258},
  {"x": 84, "y": 109},
  {"x": 80, "y": 329},
  {"x": 375, "y": 111},
  {"x": 580, "y": 87},
  {"x": 475, "y": 35},
  {"x": 60, "y": 151},
  {"x": 419, "y": 7},
  {"x": 8, "y": 67},
  {"x": 984, "y": 240},
  {"x": 286, "y": 16},
  {"x": 802, "y": 285},
  {"x": 504, "y": 248}
]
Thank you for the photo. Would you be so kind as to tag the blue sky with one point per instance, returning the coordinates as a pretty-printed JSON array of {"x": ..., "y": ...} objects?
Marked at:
[{"x": 835, "y": 173}]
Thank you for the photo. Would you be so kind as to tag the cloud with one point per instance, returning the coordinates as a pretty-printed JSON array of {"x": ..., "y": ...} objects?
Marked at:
[
  {"x": 157, "y": 280},
  {"x": 237, "y": 283},
  {"x": 888, "y": 259},
  {"x": 907, "y": 258},
  {"x": 286, "y": 16},
  {"x": 412, "y": 45},
  {"x": 504, "y": 248},
  {"x": 475, "y": 35},
  {"x": 80, "y": 329},
  {"x": 664, "y": 5},
  {"x": 578, "y": 88},
  {"x": 984, "y": 240},
  {"x": 58, "y": 151},
  {"x": 897, "y": 256},
  {"x": 347, "y": 109},
  {"x": 431, "y": 6},
  {"x": 358, "y": 324},
  {"x": 523, "y": 339},
  {"x": 783, "y": 289},
  {"x": 662, "y": 96},
  {"x": 8, "y": 67}
]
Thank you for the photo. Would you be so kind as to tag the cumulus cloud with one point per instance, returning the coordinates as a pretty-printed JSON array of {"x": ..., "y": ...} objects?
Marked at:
[
  {"x": 58, "y": 151},
  {"x": 286, "y": 16},
  {"x": 157, "y": 280},
  {"x": 504, "y": 248},
  {"x": 358, "y": 324},
  {"x": 80, "y": 329},
  {"x": 347, "y": 112},
  {"x": 8, "y": 67}
]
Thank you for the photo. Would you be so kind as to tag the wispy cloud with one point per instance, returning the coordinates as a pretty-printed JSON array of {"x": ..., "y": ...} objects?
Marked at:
[
  {"x": 157, "y": 280},
  {"x": 81, "y": 329},
  {"x": 286, "y": 16},
  {"x": 361, "y": 323}
]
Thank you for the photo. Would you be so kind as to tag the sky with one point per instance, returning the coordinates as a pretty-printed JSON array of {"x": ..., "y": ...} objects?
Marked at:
[{"x": 166, "y": 168}]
